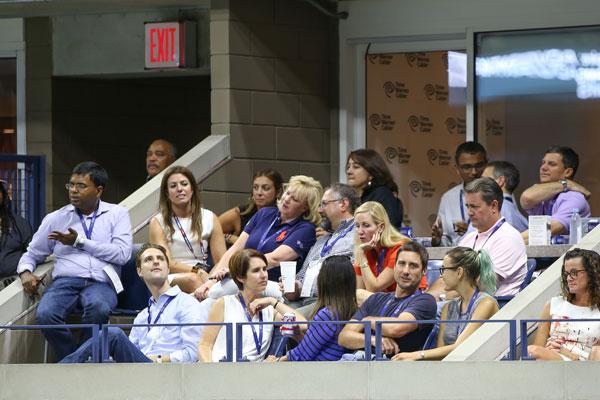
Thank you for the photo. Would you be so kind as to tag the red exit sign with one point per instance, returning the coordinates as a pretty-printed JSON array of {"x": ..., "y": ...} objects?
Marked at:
[{"x": 167, "y": 44}]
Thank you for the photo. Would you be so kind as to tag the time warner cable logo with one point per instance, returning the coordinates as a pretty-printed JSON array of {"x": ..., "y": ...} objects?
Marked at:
[
  {"x": 415, "y": 188},
  {"x": 432, "y": 155}
]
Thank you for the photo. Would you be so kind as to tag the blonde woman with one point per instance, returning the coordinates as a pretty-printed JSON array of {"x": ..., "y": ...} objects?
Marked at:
[
  {"x": 285, "y": 233},
  {"x": 376, "y": 245}
]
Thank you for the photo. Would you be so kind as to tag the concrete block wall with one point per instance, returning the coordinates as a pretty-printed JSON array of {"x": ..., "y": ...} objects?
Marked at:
[
  {"x": 272, "y": 91},
  {"x": 38, "y": 93}
]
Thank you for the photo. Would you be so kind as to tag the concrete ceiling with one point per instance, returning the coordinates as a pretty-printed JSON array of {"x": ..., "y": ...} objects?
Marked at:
[{"x": 35, "y": 8}]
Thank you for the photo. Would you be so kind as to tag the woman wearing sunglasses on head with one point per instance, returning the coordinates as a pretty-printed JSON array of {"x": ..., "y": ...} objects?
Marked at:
[
  {"x": 580, "y": 299},
  {"x": 471, "y": 274}
]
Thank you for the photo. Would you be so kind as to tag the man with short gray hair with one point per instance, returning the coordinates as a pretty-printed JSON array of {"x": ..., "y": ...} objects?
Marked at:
[{"x": 507, "y": 177}]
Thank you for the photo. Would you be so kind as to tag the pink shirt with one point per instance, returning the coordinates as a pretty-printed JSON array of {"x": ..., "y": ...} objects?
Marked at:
[{"x": 507, "y": 251}]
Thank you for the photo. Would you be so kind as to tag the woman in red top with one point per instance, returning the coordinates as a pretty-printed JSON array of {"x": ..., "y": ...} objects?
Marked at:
[{"x": 377, "y": 243}]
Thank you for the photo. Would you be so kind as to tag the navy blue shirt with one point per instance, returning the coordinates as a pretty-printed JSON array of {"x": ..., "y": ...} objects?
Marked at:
[
  {"x": 421, "y": 306},
  {"x": 266, "y": 233}
]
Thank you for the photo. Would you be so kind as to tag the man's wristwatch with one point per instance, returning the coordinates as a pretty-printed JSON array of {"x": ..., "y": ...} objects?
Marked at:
[
  {"x": 78, "y": 243},
  {"x": 565, "y": 185},
  {"x": 159, "y": 359},
  {"x": 421, "y": 355}
]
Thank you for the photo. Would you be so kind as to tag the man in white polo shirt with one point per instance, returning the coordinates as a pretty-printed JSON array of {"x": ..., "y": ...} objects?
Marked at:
[{"x": 505, "y": 245}]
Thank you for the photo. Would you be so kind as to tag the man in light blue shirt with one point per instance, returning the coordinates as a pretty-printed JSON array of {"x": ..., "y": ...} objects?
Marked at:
[
  {"x": 507, "y": 177},
  {"x": 167, "y": 305},
  {"x": 90, "y": 240}
]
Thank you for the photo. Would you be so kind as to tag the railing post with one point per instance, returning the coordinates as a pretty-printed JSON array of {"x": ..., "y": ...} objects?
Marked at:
[
  {"x": 238, "y": 341},
  {"x": 512, "y": 330},
  {"x": 524, "y": 353},
  {"x": 95, "y": 344},
  {"x": 378, "y": 329},
  {"x": 104, "y": 342},
  {"x": 367, "y": 340},
  {"x": 229, "y": 341}
]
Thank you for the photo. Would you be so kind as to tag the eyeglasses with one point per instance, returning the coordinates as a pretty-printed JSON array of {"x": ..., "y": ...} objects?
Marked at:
[
  {"x": 443, "y": 269},
  {"x": 573, "y": 273},
  {"x": 324, "y": 203},
  {"x": 469, "y": 167},
  {"x": 79, "y": 187}
]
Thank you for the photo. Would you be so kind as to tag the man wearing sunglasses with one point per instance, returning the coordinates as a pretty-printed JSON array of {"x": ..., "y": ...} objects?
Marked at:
[
  {"x": 90, "y": 240},
  {"x": 452, "y": 220}
]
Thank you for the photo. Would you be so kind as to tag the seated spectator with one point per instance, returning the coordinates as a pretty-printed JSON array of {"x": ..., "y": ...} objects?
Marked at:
[
  {"x": 557, "y": 194},
  {"x": 285, "y": 233},
  {"x": 90, "y": 240},
  {"x": 452, "y": 220},
  {"x": 248, "y": 269},
  {"x": 186, "y": 229},
  {"x": 267, "y": 186},
  {"x": 502, "y": 242},
  {"x": 336, "y": 302},
  {"x": 377, "y": 244},
  {"x": 160, "y": 155},
  {"x": 507, "y": 177},
  {"x": 15, "y": 235},
  {"x": 580, "y": 299},
  {"x": 471, "y": 275},
  {"x": 167, "y": 305},
  {"x": 337, "y": 208},
  {"x": 367, "y": 173},
  {"x": 407, "y": 303}
]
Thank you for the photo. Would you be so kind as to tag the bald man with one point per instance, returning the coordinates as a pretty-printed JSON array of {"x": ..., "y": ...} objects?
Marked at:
[{"x": 159, "y": 156}]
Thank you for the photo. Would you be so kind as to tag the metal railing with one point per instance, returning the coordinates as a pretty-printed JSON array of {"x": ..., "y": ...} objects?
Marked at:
[
  {"x": 26, "y": 185},
  {"x": 100, "y": 351}
]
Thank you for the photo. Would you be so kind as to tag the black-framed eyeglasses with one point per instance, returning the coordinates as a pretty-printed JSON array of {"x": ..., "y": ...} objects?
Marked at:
[
  {"x": 324, "y": 203},
  {"x": 469, "y": 167},
  {"x": 572, "y": 273},
  {"x": 79, "y": 187},
  {"x": 442, "y": 269}
]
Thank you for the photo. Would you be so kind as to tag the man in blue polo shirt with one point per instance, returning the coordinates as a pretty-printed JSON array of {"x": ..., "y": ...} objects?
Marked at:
[
  {"x": 408, "y": 303},
  {"x": 167, "y": 305}
]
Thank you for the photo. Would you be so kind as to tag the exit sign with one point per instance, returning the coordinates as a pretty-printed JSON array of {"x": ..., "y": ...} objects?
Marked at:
[{"x": 170, "y": 44}]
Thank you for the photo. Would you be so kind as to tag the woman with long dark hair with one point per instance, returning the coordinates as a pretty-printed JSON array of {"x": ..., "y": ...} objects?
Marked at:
[
  {"x": 15, "y": 235},
  {"x": 580, "y": 299},
  {"x": 367, "y": 172},
  {"x": 336, "y": 302},
  {"x": 267, "y": 187},
  {"x": 186, "y": 229}
]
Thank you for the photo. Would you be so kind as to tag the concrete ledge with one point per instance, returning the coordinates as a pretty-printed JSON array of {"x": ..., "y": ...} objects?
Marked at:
[{"x": 326, "y": 380}]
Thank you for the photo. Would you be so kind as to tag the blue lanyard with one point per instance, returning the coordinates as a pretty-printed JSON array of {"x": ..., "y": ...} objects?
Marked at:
[
  {"x": 86, "y": 230},
  {"x": 460, "y": 328},
  {"x": 488, "y": 238},
  {"x": 381, "y": 260},
  {"x": 257, "y": 338},
  {"x": 462, "y": 207},
  {"x": 188, "y": 243},
  {"x": 509, "y": 199},
  {"x": 264, "y": 238},
  {"x": 327, "y": 248},
  {"x": 400, "y": 307},
  {"x": 170, "y": 299}
]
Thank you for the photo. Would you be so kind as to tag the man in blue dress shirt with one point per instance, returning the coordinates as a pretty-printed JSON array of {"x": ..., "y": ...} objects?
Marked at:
[
  {"x": 90, "y": 240},
  {"x": 167, "y": 305}
]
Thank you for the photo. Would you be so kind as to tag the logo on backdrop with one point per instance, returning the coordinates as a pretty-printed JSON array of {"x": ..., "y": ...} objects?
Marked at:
[
  {"x": 456, "y": 125},
  {"x": 419, "y": 60},
  {"x": 494, "y": 127},
  {"x": 422, "y": 189},
  {"x": 420, "y": 123},
  {"x": 396, "y": 89},
  {"x": 439, "y": 157},
  {"x": 435, "y": 92},
  {"x": 382, "y": 122},
  {"x": 399, "y": 153},
  {"x": 381, "y": 59}
]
